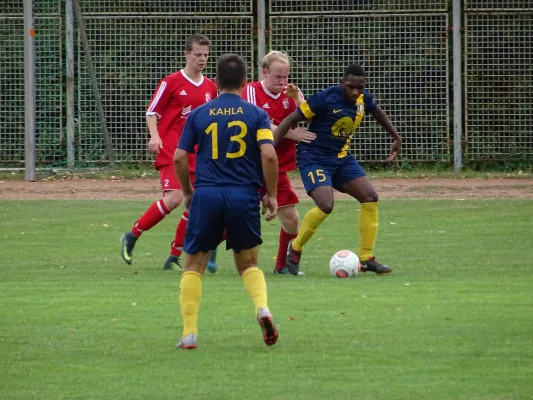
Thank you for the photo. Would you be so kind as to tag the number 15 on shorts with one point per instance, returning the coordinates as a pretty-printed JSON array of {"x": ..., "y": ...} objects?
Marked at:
[
  {"x": 313, "y": 177},
  {"x": 317, "y": 176}
]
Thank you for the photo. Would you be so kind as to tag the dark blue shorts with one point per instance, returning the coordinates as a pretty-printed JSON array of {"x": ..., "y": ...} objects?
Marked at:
[
  {"x": 336, "y": 173},
  {"x": 215, "y": 209}
]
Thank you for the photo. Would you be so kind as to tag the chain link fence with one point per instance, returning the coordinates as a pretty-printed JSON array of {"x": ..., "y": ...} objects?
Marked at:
[
  {"x": 403, "y": 45},
  {"x": 405, "y": 57},
  {"x": 48, "y": 43},
  {"x": 131, "y": 54},
  {"x": 499, "y": 80},
  {"x": 11, "y": 88}
]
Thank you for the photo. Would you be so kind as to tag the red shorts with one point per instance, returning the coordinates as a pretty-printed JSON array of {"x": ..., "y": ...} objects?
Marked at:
[
  {"x": 286, "y": 196},
  {"x": 169, "y": 179}
]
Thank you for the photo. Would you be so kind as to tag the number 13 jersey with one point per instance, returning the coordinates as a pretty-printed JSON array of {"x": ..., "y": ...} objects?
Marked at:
[{"x": 228, "y": 132}]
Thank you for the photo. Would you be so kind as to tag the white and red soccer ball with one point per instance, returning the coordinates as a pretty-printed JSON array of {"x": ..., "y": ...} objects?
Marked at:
[{"x": 344, "y": 264}]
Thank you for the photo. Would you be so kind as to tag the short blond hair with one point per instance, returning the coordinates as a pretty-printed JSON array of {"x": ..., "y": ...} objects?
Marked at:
[{"x": 274, "y": 56}]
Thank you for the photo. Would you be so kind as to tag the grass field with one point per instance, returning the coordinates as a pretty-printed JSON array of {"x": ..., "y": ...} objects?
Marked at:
[{"x": 453, "y": 321}]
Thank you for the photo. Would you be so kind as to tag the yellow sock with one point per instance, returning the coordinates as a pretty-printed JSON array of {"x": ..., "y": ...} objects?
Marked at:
[
  {"x": 368, "y": 229},
  {"x": 190, "y": 294},
  {"x": 312, "y": 220},
  {"x": 254, "y": 282}
]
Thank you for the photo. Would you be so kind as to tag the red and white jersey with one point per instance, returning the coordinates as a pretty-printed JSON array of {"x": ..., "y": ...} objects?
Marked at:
[
  {"x": 278, "y": 107},
  {"x": 173, "y": 100}
]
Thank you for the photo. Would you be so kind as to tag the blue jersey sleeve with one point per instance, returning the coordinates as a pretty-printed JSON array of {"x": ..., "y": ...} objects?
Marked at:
[
  {"x": 264, "y": 133},
  {"x": 315, "y": 105},
  {"x": 370, "y": 103},
  {"x": 188, "y": 136}
]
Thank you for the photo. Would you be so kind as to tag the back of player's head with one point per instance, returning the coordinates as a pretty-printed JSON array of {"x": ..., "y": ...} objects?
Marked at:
[
  {"x": 198, "y": 39},
  {"x": 354, "y": 69},
  {"x": 274, "y": 56},
  {"x": 231, "y": 72}
]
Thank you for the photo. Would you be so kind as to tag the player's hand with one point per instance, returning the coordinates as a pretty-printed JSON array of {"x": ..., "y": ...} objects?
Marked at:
[
  {"x": 300, "y": 135},
  {"x": 187, "y": 200},
  {"x": 292, "y": 91},
  {"x": 155, "y": 144},
  {"x": 270, "y": 204},
  {"x": 395, "y": 149}
]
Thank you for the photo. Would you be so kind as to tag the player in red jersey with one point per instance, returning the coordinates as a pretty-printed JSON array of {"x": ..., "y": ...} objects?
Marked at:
[
  {"x": 174, "y": 98},
  {"x": 279, "y": 99}
]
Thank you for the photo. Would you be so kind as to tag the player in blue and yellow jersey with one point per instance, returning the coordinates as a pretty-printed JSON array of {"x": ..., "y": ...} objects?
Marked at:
[
  {"x": 325, "y": 163},
  {"x": 235, "y": 154}
]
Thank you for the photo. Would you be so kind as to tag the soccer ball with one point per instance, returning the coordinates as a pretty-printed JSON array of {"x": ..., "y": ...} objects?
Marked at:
[{"x": 344, "y": 264}]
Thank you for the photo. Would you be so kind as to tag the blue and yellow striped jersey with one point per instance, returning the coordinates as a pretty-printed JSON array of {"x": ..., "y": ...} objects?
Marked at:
[
  {"x": 334, "y": 119},
  {"x": 228, "y": 132}
]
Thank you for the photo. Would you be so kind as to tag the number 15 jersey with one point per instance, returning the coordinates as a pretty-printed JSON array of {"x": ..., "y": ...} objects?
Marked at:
[{"x": 228, "y": 132}]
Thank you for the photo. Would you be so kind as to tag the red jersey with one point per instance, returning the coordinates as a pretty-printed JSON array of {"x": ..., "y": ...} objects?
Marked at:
[
  {"x": 173, "y": 100},
  {"x": 278, "y": 107}
]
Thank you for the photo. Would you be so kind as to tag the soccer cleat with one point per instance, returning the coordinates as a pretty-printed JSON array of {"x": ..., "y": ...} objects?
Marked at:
[
  {"x": 285, "y": 271},
  {"x": 127, "y": 243},
  {"x": 188, "y": 342},
  {"x": 173, "y": 262},
  {"x": 374, "y": 266},
  {"x": 292, "y": 261},
  {"x": 270, "y": 333},
  {"x": 212, "y": 263}
]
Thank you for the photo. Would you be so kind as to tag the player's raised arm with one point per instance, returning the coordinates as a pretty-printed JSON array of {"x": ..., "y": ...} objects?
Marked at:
[
  {"x": 315, "y": 105},
  {"x": 286, "y": 125},
  {"x": 383, "y": 119},
  {"x": 294, "y": 93},
  {"x": 297, "y": 134}
]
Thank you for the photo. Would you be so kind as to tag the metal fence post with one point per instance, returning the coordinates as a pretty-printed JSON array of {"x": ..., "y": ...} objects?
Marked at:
[
  {"x": 29, "y": 90},
  {"x": 69, "y": 43},
  {"x": 261, "y": 39},
  {"x": 457, "y": 89}
]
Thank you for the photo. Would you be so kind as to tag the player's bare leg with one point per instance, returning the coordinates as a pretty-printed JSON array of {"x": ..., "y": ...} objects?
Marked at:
[
  {"x": 290, "y": 221},
  {"x": 323, "y": 198},
  {"x": 254, "y": 282},
  {"x": 190, "y": 295},
  {"x": 174, "y": 198},
  {"x": 155, "y": 213},
  {"x": 362, "y": 190}
]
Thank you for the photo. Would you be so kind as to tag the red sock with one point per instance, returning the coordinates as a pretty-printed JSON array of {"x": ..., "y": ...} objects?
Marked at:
[
  {"x": 284, "y": 239},
  {"x": 176, "y": 247},
  {"x": 224, "y": 235},
  {"x": 150, "y": 218}
]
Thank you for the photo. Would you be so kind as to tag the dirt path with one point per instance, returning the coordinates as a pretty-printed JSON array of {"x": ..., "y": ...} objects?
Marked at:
[{"x": 150, "y": 189}]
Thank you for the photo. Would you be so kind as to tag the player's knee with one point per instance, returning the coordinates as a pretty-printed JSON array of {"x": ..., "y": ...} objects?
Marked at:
[
  {"x": 370, "y": 197},
  {"x": 245, "y": 259},
  {"x": 173, "y": 199},
  {"x": 325, "y": 206},
  {"x": 290, "y": 222},
  {"x": 243, "y": 265}
]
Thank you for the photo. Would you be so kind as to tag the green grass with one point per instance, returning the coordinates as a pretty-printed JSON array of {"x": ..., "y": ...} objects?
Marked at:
[{"x": 453, "y": 321}]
